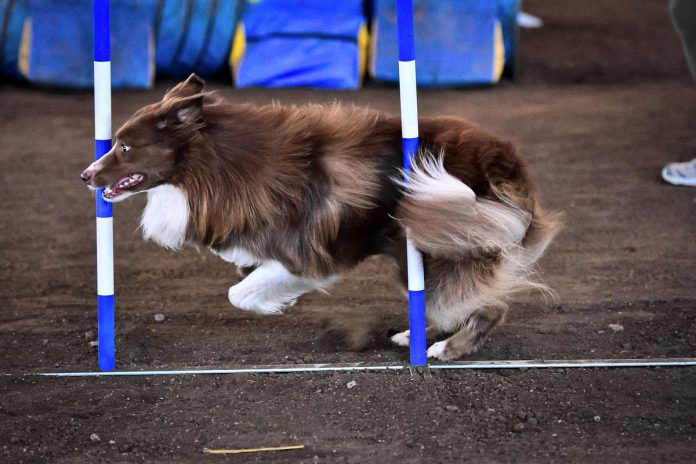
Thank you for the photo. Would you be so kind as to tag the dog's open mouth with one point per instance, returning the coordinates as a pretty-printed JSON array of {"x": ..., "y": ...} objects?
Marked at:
[{"x": 123, "y": 185}]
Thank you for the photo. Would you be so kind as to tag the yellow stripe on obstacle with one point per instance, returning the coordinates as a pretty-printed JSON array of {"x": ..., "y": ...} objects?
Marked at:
[
  {"x": 498, "y": 52},
  {"x": 238, "y": 49},
  {"x": 25, "y": 48},
  {"x": 252, "y": 450},
  {"x": 363, "y": 43}
]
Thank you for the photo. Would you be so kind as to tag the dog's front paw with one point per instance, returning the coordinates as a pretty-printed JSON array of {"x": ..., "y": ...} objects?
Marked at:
[
  {"x": 244, "y": 271},
  {"x": 402, "y": 338},
  {"x": 246, "y": 300}
]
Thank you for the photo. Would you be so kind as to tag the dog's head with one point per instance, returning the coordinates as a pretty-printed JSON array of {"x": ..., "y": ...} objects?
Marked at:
[{"x": 149, "y": 145}]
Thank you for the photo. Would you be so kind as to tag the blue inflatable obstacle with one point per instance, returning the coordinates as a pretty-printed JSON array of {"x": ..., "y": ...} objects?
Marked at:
[
  {"x": 12, "y": 15},
  {"x": 507, "y": 15},
  {"x": 457, "y": 42},
  {"x": 57, "y": 44},
  {"x": 301, "y": 43},
  {"x": 194, "y": 35}
]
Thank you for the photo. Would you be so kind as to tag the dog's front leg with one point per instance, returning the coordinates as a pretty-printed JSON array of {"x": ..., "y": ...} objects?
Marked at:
[
  {"x": 270, "y": 288},
  {"x": 244, "y": 271}
]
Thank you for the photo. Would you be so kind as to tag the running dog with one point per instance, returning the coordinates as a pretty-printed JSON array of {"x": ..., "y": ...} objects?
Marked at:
[{"x": 298, "y": 195}]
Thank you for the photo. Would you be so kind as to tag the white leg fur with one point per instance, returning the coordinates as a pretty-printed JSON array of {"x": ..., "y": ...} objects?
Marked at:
[
  {"x": 437, "y": 350},
  {"x": 166, "y": 216},
  {"x": 271, "y": 288},
  {"x": 238, "y": 256},
  {"x": 402, "y": 338}
]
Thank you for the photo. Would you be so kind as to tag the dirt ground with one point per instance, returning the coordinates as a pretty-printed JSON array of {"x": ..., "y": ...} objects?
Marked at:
[{"x": 603, "y": 99}]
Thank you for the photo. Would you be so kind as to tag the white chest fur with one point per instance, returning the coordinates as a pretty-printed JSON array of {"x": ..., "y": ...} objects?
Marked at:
[{"x": 166, "y": 216}]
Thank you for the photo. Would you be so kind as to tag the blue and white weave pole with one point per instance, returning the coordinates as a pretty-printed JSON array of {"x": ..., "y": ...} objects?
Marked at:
[
  {"x": 105, "y": 232},
  {"x": 409, "y": 133}
]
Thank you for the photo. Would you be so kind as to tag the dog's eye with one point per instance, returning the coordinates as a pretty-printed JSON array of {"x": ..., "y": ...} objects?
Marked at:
[{"x": 124, "y": 147}]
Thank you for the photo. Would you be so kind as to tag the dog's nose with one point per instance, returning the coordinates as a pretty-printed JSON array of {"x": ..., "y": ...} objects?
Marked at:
[{"x": 85, "y": 176}]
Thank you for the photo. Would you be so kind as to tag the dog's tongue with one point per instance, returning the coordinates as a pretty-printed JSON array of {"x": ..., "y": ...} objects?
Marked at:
[{"x": 122, "y": 185}]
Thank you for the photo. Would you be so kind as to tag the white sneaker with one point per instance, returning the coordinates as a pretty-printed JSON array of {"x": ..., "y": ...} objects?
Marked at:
[
  {"x": 528, "y": 21},
  {"x": 680, "y": 173}
]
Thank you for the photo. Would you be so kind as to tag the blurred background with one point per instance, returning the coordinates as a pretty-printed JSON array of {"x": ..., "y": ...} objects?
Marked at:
[{"x": 268, "y": 43}]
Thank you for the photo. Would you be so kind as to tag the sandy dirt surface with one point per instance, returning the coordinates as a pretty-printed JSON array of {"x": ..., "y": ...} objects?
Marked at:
[{"x": 603, "y": 99}]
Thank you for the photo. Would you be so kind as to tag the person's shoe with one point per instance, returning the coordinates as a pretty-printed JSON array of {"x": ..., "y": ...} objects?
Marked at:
[{"x": 680, "y": 173}]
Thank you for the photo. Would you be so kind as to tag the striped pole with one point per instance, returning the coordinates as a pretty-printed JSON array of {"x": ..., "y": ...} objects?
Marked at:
[
  {"x": 409, "y": 133},
  {"x": 105, "y": 234}
]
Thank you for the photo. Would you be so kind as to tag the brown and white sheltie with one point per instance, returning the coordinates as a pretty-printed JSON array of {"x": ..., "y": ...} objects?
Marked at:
[{"x": 300, "y": 195}]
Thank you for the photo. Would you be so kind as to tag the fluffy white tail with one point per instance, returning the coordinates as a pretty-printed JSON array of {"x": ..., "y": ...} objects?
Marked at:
[
  {"x": 445, "y": 218},
  {"x": 498, "y": 239}
]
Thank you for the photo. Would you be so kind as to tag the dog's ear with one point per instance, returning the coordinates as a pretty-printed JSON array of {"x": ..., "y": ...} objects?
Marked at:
[
  {"x": 191, "y": 86},
  {"x": 179, "y": 113}
]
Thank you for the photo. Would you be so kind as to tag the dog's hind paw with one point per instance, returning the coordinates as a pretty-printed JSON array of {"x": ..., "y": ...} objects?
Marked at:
[
  {"x": 402, "y": 338},
  {"x": 438, "y": 351}
]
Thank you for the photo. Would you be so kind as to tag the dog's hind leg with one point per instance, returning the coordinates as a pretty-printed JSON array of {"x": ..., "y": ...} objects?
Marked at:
[
  {"x": 471, "y": 334},
  {"x": 270, "y": 288},
  {"x": 404, "y": 338}
]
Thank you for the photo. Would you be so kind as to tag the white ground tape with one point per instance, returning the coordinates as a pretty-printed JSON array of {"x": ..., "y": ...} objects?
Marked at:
[{"x": 309, "y": 368}]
